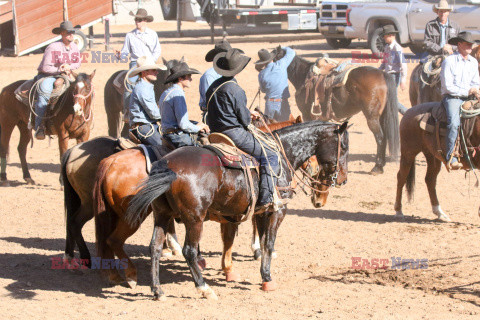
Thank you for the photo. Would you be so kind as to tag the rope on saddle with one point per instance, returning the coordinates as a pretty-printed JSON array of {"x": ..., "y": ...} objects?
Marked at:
[
  {"x": 53, "y": 96},
  {"x": 469, "y": 113},
  {"x": 433, "y": 74}
]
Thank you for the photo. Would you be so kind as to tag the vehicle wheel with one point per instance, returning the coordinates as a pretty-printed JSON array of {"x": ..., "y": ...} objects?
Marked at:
[
  {"x": 169, "y": 9},
  {"x": 80, "y": 40},
  {"x": 416, "y": 49},
  {"x": 376, "y": 42},
  {"x": 338, "y": 43}
]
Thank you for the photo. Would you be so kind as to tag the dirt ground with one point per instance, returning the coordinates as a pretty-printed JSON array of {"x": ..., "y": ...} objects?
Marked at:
[{"x": 315, "y": 246}]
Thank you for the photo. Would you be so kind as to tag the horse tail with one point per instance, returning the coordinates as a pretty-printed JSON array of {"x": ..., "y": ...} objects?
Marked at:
[
  {"x": 389, "y": 118},
  {"x": 410, "y": 186},
  {"x": 72, "y": 201},
  {"x": 159, "y": 182},
  {"x": 105, "y": 217}
]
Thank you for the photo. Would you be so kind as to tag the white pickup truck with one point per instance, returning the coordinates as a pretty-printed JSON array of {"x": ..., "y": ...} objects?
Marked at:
[{"x": 364, "y": 20}]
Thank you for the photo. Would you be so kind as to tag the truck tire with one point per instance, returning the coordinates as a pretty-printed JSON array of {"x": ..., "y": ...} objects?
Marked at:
[
  {"x": 338, "y": 43},
  {"x": 169, "y": 9},
  {"x": 376, "y": 42},
  {"x": 80, "y": 40}
]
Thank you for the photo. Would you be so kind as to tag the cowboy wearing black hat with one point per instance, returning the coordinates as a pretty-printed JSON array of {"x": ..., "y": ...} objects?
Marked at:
[
  {"x": 176, "y": 127},
  {"x": 460, "y": 79},
  {"x": 273, "y": 80},
  {"x": 60, "y": 57},
  {"x": 140, "y": 42},
  {"x": 227, "y": 113}
]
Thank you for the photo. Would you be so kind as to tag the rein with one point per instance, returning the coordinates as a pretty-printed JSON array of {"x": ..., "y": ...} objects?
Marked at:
[{"x": 81, "y": 96}]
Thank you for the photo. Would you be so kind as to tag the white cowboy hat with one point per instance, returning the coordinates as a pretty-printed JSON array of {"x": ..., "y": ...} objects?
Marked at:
[
  {"x": 144, "y": 63},
  {"x": 442, "y": 5}
]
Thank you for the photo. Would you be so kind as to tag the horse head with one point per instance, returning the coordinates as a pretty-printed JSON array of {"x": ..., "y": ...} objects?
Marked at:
[
  {"x": 333, "y": 166},
  {"x": 83, "y": 92}
]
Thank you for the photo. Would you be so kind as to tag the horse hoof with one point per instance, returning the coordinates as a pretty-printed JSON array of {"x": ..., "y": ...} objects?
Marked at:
[
  {"x": 132, "y": 283},
  {"x": 444, "y": 218},
  {"x": 166, "y": 253},
  {"x": 257, "y": 254},
  {"x": 30, "y": 181},
  {"x": 399, "y": 215},
  {"x": 376, "y": 171},
  {"x": 115, "y": 280},
  {"x": 207, "y": 292},
  {"x": 161, "y": 297},
  {"x": 5, "y": 183},
  {"x": 202, "y": 264},
  {"x": 269, "y": 286},
  {"x": 232, "y": 276}
]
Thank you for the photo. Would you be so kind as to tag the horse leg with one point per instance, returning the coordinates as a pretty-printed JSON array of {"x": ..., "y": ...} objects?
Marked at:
[
  {"x": 228, "y": 231},
  {"x": 25, "y": 136},
  {"x": 374, "y": 125},
  {"x": 83, "y": 215},
  {"x": 171, "y": 241},
  {"x": 158, "y": 238},
  {"x": 5, "y": 134},
  {"x": 190, "y": 252},
  {"x": 433, "y": 168},
  {"x": 62, "y": 141},
  {"x": 257, "y": 253},
  {"x": 406, "y": 163},
  {"x": 268, "y": 224}
]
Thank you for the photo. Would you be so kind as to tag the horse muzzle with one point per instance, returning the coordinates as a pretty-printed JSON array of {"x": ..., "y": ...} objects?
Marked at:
[{"x": 77, "y": 108}]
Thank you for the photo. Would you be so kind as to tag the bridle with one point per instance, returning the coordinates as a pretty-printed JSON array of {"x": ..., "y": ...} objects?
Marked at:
[{"x": 85, "y": 97}]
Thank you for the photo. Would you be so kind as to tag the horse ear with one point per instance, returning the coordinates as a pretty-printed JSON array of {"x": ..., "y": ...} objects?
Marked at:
[
  {"x": 343, "y": 127},
  {"x": 299, "y": 119},
  {"x": 164, "y": 61},
  {"x": 182, "y": 60},
  {"x": 92, "y": 74}
]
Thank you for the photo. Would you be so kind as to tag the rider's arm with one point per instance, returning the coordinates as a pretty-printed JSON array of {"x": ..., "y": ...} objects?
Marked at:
[
  {"x": 431, "y": 46},
  {"x": 146, "y": 97},
  {"x": 447, "y": 79},
  {"x": 157, "y": 49},
  {"x": 261, "y": 83},
  {"x": 126, "y": 46},
  {"x": 181, "y": 114},
  {"x": 77, "y": 62},
  {"x": 240, "y": 107},
  {"x": 475, "y": 80},
  {"x": 287, "y": 59},
  {"x": 50, "y": 56}
]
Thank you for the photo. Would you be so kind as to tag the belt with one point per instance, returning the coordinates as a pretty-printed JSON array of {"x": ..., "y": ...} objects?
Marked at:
[
  {"x": 275, "y": 100},
  {"x": 173, "y": 130},
  {"x": 457, "y": 97}
]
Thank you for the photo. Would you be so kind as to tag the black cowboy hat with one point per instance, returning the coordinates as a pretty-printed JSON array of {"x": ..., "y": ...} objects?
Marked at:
[
  {"x": 464, "y": 36},
  {"x": 265, "y": 56},
  {"x": 65, "y": 26},
  {"x": 142, "y": 13},
  {"x": 230, "y": 63},
  {"x": 220, "y": 46},
  {"x": 180, "y": 70},
  {"x": 388, "y": 29}
]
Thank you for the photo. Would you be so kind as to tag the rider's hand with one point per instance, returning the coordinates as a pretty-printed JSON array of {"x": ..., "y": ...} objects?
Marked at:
[
  {"x": 473, "y": 91},
  {"x": 403, "y": 86},
  {"x": 255, "y": 115},
  {"x": 204, "y": 128},
  {"x": 448, "y": 49},
  {"x": 65, "y": 67}
]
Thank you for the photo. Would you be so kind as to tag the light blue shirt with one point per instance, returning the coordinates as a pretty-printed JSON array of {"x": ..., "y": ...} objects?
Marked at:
[
  {"x": 205, "y": 81},
  {"x": 458, "y": 75},
  {"x": 143, "y": 108},
  {"x": 173, "y": 109},
  {"x": 139, "y": 44},
  {"x": 394, "y": 60},
  {"x": 443, "y": 34},
  {"x": 273, "y": 79}
]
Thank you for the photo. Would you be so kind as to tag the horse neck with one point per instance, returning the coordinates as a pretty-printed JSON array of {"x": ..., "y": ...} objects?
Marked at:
[
  {"x": 298, "y": 70},
  {"x": 301, "y": 144}
]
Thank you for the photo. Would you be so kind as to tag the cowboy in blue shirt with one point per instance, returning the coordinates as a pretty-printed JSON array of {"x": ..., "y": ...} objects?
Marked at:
[
  {"x": 144, "y": 112},
  {"x": 141, "y": 41},
  {"x": 460, "y": 79},
  {"x": 176, "y": 127},
  {"x": 273, "y": 80}
]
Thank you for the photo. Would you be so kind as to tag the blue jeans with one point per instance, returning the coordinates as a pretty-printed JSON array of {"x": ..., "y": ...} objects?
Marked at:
[
  {"x": 179, "y": 139},
  {"x": 401, "y": 108},
  {"x": 277, "y": 110},
  {"x": 452, "y": 107},
  {"x": 42, "y": 96},
  {"x": 148, "y": 134},
  {"x": 246, "y": 142},
  {"x": 126, "y": 94}
]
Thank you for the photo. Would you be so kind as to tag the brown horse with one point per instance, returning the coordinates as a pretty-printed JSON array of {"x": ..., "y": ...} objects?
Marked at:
[
  {"x": 116, "y": 182},
  {"x": 113, "y": 100},
  {"x": 180, "y": 185},
  {"x": 367, "y": 90},
  {"x": 66, "y": 124},
  {"x": 415, "y": 140}
]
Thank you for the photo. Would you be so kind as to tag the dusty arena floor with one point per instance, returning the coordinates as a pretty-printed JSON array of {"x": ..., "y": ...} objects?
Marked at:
[{"x": 315, "y": 246}]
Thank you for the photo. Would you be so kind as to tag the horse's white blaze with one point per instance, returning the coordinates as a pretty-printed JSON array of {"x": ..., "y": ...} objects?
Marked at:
[
  {"x": 80, "y": 85},
  {"x": 440, "y": 214},
  {"x": 78, "y": 109}
]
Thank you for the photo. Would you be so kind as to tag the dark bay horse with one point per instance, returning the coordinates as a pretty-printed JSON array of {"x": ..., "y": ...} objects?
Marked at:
[
  {"x": 180, "y": 185},
  {"x": 415, "y": 140},
  {"x": 113, "y": 100},
  {"x": 66, "y": 124},
  {"x": 367, "y": 90}
]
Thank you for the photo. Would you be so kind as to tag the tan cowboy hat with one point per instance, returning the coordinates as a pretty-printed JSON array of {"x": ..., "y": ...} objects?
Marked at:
[
  {"x": 65, "y": 26},
  {"x": 144, "y": 63},
  {"x": 442, "y": 5},
  {"x": 180, "y": 70},
  {"x": 230, "y": 63},
  {"x": 265, "y": 57},
  {"x": 142, "y": 13}
]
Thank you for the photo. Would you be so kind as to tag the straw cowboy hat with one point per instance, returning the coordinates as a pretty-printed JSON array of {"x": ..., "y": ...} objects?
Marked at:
[
  {"x": 230, "y": 63},
  {"x": 142, "y": 14},
  {"x": 144, "y": 63},
  {"x": 389, "y": 29},
  {"x": 464, "y": 36},
  {"x": 442, "y": 5},
  {"x": 65, "y": 26},
  {"x": 180, "y": 70},
  {"x": 265, "y": 57},
  {"x": 220, "y": 46}
]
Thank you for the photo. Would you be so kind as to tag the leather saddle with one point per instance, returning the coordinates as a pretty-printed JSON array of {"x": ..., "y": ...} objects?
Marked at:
[
  {"x": 152, "y": 153},
  {"x": 228, "y": 154}
]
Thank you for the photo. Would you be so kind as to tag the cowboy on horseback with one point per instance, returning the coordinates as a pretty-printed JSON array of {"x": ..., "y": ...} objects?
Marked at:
[
  {"x": 227, "y": 113},
  {"x": 140, "y": 42},
  {"x": 460, "y": 79},
  {"x": 144, "y": 112},
  {"x": 176, "y": 127},
  {"x": 273, "y": 80},
  {"x": 59, "y": 59},
  {"x": 440, "y": 30}
]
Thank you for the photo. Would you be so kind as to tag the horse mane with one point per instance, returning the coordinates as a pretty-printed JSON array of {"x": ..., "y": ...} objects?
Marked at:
[{"x": 279, "y": 125}]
